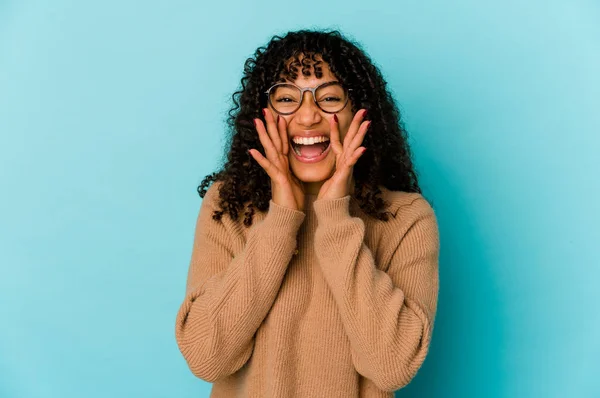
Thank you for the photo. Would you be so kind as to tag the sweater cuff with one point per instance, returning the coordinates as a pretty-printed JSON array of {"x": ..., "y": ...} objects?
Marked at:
[
  {"x": 283, "y": 217},
  {"x": 328, "y": 210}
]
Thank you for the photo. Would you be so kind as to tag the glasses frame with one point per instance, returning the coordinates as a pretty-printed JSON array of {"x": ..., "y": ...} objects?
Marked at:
[{"x": 312, "y": 90}]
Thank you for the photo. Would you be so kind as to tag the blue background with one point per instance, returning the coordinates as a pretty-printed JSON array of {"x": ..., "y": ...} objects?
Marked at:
[{"x": 111, "y": 113}]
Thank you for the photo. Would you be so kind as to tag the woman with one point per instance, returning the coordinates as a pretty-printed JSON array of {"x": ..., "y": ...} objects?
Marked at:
[{"x": 330, "y": 288}]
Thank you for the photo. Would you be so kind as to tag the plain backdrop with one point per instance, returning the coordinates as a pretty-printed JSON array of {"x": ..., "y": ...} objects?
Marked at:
[{"x": 112, "y": 112}]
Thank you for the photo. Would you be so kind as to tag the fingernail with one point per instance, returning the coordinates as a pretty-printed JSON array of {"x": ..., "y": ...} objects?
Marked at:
[
  {"x": 365, "y": 114},
  {"x": 335, "y": 117},
  {"x": 264, "y": 113},
  {"x": 254, "y": 120}
]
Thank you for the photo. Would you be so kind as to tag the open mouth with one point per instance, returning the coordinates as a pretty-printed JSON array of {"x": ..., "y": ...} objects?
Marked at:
[{"x": 310, "y": 153}]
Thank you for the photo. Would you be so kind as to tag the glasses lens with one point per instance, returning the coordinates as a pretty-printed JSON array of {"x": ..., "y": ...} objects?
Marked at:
[
  {"x": 285, "y": 98},
  {"x": 331, "y": 97}
]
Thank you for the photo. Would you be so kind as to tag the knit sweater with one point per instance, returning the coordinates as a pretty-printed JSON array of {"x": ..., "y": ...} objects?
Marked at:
[{"x": 326, "y": 302}]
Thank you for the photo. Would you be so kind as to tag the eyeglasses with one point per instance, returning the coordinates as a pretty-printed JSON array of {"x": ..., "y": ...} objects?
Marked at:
[{"x": 286, "y": 98}]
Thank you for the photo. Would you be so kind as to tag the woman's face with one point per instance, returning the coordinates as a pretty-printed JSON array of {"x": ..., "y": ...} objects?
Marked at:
[{"x": 310, "y": 119}]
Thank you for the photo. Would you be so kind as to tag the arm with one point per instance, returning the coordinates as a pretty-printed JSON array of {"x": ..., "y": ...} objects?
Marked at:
[
  {"x": 388, "y": 316},
  {"x": 229, "y": 293}
]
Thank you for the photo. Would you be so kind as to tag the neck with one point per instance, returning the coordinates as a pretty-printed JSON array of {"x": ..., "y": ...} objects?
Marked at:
[{"x": 312, "y": 188}]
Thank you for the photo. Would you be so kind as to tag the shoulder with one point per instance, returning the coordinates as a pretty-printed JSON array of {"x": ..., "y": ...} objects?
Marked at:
[
  {"x": 413, "y": 222},
  {"x": 411, "y": 213},
  {"x": 210, "y": 204},
  {"x": 406, "y": 205},
  {"x": 212, "y": 196}
]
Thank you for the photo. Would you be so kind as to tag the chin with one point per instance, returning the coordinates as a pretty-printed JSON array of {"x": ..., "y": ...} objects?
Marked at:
[{"x": 315, "y": 172}]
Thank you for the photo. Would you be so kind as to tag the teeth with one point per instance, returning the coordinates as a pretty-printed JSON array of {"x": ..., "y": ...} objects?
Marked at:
[{"x": 309, "y": 141}]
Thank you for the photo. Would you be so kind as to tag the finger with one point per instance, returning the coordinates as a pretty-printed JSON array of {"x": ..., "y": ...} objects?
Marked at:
[
  {"x": 271, "y": 170},
  {"x": 356, "y": 155},
  {"x": 334, "y": 136},
  {"x": 353, "y": 129},
  {"x": 282, "y": 128},
  {"x": 265, "y": 140},
  {"x": 359, "y": 137},
  {"x": 272, "y": 129}
]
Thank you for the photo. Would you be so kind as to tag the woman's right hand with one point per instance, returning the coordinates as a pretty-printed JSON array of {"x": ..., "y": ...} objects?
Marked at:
[{"x": 286, "y": 189}]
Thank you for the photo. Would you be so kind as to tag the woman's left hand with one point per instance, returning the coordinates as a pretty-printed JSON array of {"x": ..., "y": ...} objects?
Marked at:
[{"x": 346, "y": 156}]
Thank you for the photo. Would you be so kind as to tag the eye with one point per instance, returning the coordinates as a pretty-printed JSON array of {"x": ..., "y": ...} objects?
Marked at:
[
  {"x": 284, "y": 99},
  {"x": 331, "y": 99}
]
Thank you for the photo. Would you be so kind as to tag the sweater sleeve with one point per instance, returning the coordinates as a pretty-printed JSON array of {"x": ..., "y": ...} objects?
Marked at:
[
  {"x": 388, "y": 316},
  {"x": 230, "y": 291}
]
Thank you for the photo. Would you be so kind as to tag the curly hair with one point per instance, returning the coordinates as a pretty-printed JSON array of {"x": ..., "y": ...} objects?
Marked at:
[{"x": 387, "y": 163}]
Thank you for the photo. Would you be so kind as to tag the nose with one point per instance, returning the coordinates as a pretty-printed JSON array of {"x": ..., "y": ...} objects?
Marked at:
[{"x": 309, "y": 113}]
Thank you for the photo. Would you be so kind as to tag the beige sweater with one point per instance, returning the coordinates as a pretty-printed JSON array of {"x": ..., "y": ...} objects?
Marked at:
[{"x": 350, "y": 314}]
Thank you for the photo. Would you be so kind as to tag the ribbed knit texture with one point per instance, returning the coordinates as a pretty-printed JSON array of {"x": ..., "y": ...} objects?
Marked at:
[{"x": 350, "y": 315}]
